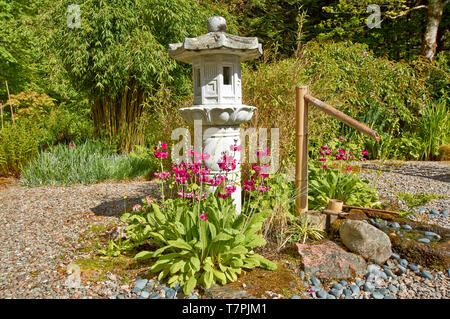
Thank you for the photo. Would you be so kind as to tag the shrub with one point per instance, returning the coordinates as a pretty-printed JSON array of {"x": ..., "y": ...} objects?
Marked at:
[
  {"x": 18, "y": 145},
  {"x": 86, "y": 163}
]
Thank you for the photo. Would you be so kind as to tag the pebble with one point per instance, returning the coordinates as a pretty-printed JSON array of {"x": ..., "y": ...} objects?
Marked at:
[
  {"x": 330, "y": 296},
  {"x": 336, "y": 292},
  {"x": 295, "y": 297},
  {"x": 343, "y": 283},
  {"x": 434, "y": 212},
  {"x": 322, "y": 294},
  {"x": 401, "y": 268},
  {"x": 377, "y": 295},
  {"x": 347, "y": 292},
  {"x": 445, "y": 213},
  {"x": 193, "y": 297},
  {"x": 140, "y": 284},
  {"x": 337, "y": 286},
  {"x": 426, "y": 274},
  {"x": 315, "y": 281},
  {"x": 395, "y": 225},
  {"x": 395, "y": 256},
  {"x": 393, "y": 289},
  {"x": 403, "y": 262},
  {"x": 145, "y": 294},
  {"x": 355, "y": 289},
  {"x": 302, "y": 275},
  {"x": 389, "y": 297},
  {"x": 413, "y": 267},
  {"x": 406, "y": 227},
  {"x": 368, "y": 287},
  {"x": 389, "y": 273},
  {"x": 382, "y": 291},
  {"x": 360, "y": 282},
  {"x": 155, "y": 296},
  {"x": 424, "y": 240}
]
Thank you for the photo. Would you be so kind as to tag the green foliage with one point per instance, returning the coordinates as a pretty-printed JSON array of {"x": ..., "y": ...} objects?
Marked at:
[
  {"x": 414, "y": 200},
  {"x": 86, "y": 163},
  {"x": 304, "y": 228},
  {"x": 329, "y": 183},
  {"x": 18, "y": 145},
  {"x": 195, "y": 251}
]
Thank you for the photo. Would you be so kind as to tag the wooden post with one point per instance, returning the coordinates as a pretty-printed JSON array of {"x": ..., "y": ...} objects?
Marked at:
[
  {"x": 10, "y": 106},
  {"x": 1, "y": 113},
  {"x": 301, "y": 169}
]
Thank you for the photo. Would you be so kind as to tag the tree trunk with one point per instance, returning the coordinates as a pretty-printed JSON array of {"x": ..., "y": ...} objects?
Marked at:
[
  {"x": 118, "y": 118},
  {"x": 434, "y": 16}
]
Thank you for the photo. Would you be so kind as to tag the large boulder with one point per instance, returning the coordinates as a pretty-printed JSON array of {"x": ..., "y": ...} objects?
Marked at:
[
  {"x": 366, "y": 240},
  {"x": 329, "y": 260}
]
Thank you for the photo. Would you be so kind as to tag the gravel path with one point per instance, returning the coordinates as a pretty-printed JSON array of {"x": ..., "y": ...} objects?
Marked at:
[{"x": 39, "y": 228}]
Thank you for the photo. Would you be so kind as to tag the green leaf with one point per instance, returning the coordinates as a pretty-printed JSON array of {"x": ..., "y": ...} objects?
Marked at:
[{"x": 189, "y": 285}]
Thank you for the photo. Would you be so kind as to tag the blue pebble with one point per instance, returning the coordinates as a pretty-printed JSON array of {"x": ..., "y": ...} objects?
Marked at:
[
  {"x": 355, "y": 289},
  {"x": 343, "y": 283},
  {"x": 365, "y": 221},
  {"x": 395, "y": 256},
  {"x": 140, "y": 284},
  {"x": 193, "y": 297},
  {"x": 445, "y": 213},
  {"x": 434, "y": 212},
  {"x": 377, "y": 295},
  {"x": 413, "y": 267},
  {"x": 145, "y": 294},
  {"x": 393, "y": 289},
  {"x": 389, "y": 297},
  {"x": 360, "y": 282},
  {"x": 315, "y": 288},
  {"x": 421, "y": 208},
  {"x": 336, "y": 292},
  {"x": 401, "y": 268},
  {"x": 348, "y": 297},
  {"x": 337, "y": 286},
  {"x": 170, "y": 293},
  {"x": 315, "y": 281},
  {"x": 395, "y": 225},
  {"x": 347, "y": 292},
  {"x": 368, "y": 287},
  {"x": 372, "y": 220},
  {"x": 389, "y": 273},
  {"x": 403, "y": 262},
  {"x": 136, "y": 290},
  {"x": 330, "y": 296},
  {"x": 426, "y": 274},
  {"x": 177, "y": 287},
  {"x": 120, "y": 297},
  {"x": 448, "y": 272},
  {"x": 382, "y": 291},
  {"x": 406, "y": 227},
  {"x": 302, "y": 275},
  {"x": 155, "y": 296},
  {"x": 295, "y": 297},
  {"x": 383, "y": 275},
  {"x": 322, "y": 294},
  {"x": 424, "y": 240}
]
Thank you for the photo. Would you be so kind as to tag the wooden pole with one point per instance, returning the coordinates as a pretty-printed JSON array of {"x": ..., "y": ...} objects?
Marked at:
[
  {"x": 301, "y": 169},
  {"x": 9, "y": 101},
  {"x": 343, "y": 117},
  {"x": 1, "y": 113}
]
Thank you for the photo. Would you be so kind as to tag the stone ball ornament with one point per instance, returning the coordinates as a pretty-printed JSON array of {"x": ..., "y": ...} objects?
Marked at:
[{"x": 217, "y": 24}]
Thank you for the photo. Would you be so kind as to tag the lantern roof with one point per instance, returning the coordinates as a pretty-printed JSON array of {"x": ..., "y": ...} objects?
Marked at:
[{"x": 216, "y": 41}]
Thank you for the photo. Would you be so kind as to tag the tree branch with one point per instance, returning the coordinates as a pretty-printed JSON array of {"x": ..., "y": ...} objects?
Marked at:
[{"x": 408, "y": 11}]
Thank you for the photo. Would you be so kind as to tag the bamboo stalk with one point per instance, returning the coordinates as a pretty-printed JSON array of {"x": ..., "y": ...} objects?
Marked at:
[
  {"x": 9, "y": 101},
  {"x": 372, "y": 210},
  {"x": 1, "y": 113},
  {"x": 343, "y": 117},
  {"x": 301, "y": 169}
]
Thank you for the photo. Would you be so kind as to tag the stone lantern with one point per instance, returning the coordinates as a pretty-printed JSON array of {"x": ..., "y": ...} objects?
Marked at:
[{"x": 216, "y": 58}]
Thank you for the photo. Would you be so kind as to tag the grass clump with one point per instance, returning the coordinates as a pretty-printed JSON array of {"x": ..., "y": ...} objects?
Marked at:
[{"x": 86, "y": 163}]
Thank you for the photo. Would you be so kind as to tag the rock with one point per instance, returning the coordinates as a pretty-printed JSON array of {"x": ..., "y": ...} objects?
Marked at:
[
  {"x": 120, "y": 296},
  {"x": 343, "y": 283},
  {"x": 336, "y": 292},
  {"x": 382, "y": 291},
  {"x": 395, "y": 225},
  {"x": 368, "y": 287},
  {"x": 402, "y": 269},
  {"x": 355, "y": 289},
  {"x": 295, "y": 297},
  {"x": 395, "y": 256},
  {"x": 377, "y": 295},
  {"x": 337, "y": 286},
  {"x": 360, "y": 282},
  {"x": 424, "y": 240},
  {"x": 155, "y": 296},
  {"x": 448, "y": 272},
  {"x": 403, "y": 262},
  {"x": 389, "y": 297},
  {"x": 373, "y": 269},
  {"x": 406, "y": 227},
  {"x": 224, "y": 292},
  {"x": 135, "y": 290},
  {"x": 170, "y": 293},
  {"x": 434, "y": 212},
  {"x": 315, "y": 281},
  {"x": 389, "y": 273},
  {"x": 145, "y": 294},
  {"x": 140, "y": 284},
  {"x": 426, "y": 274},
  {"x": 349, "y": 296},
  {"x": 328, "y": 260},
  {"x": 445, "y": 213},
  {"x": 413, "y": 267},
  {"x": 302, "y": 275},
  {"x": 432, "y": 235},
  {"x": 322, "y": 294},
  {"x": 193, "y": 297},
  {"x": 393, "y": 289},
  {"x": 330, "y": 296},
  {"x": 347, "y": 292},
  {"x": 366, "y": 241}
]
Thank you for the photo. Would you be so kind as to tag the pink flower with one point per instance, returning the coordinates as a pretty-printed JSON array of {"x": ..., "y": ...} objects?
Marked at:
[
  {"x": 137, "y": 208},
  {"x": 263, "y": 188},
  {"x": 164, "y": 145},
  {"x": 227, "y": 163},
  {"x": 323, "y": 166},
  {"x": 203, "y": 217},
  {"x": 348, "y": 168},
  {"x": 321, "y": 159},
  {"x": 236, "y": 148},
  {"x": 362, "y": 159},
  {"x": 71, "y": 145},
  {"x": 341, "y": 139},
  {"x": 325, "y": 147}
]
